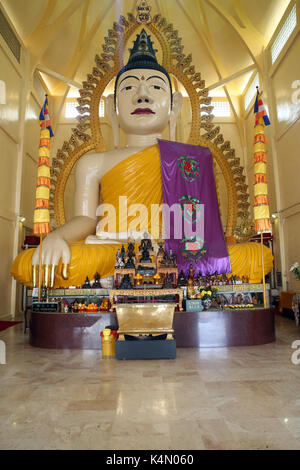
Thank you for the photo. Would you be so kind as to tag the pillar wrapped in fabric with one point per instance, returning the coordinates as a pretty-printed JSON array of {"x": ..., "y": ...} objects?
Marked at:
[
  {"x": 41, "y": 220},
  {"x": 261, "y": 200}
]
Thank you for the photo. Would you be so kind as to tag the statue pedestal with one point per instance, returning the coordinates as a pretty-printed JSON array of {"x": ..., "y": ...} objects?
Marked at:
[
  {"x": 191, "y": 329},
  {"x": 144, "y": 349}
]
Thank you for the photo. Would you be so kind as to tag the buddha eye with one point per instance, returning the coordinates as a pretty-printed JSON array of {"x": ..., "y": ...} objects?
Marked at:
[
  {"x": 127, "y": 88},
  {"x": 157, "y": 87}
]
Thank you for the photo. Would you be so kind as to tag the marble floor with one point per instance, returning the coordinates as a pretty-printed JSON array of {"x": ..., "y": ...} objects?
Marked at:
[{"x": 224, "y": 398}]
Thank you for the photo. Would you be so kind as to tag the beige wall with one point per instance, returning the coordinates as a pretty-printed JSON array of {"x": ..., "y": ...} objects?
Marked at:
[
  {"x": 286, "y": 121},
  {"x": 9, "y": 140},
  {"x": 18, "y": 158}
]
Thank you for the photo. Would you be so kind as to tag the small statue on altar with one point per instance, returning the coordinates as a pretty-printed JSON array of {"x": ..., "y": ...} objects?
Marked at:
[
  {"x": 215, "y": 279},
  {"x": 97, "y": 284},
  {"x": 181, "y": 279},
  {"x": 123, "y": 253},
  {"x": 130, "y": 248},
  {"x": 224, "y": 280},
  {"x": 130, "y": 262},
  {"x": 146, "y": 243},
  {"x": 87, "y": 284},
  {"x": 191, "y": 289},
  {"x": 191, "y": 272},
  {"x": 164, "y": 262},
  {"x": 119, "y": 261},
  {"x": 130, "y": 256},
  {"x": 161, "y": 245},
  {"x": 168, "y": 281},
  {"x": 126, "y": 282},
  {"x": 145, "y": 255},
  {"x": 173, "y": 258}
]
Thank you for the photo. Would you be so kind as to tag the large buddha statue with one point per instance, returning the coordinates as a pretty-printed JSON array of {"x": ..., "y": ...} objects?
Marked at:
[{"x": 142, "y": 106}]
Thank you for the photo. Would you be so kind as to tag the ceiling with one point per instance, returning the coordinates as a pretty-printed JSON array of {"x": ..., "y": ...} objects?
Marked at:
[{"x": 224, "y": 36}]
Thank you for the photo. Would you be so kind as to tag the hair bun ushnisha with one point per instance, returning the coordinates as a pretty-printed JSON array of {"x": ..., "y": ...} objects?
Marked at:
[{"x": 142, "y": 56}]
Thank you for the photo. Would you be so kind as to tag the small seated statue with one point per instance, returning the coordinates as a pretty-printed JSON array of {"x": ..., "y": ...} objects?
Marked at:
[
  {"x": 146, "y": 243},
  {"x": 126, "y": 282},
  {"x": 168, "y": 281},
  {"x": 97, "y": 284},
  {"x": 130, "y": 263},
  {"x": 145, "y": 256},
  {"x": 181, "y": 279},
  {"x": 87, "y": 284}
]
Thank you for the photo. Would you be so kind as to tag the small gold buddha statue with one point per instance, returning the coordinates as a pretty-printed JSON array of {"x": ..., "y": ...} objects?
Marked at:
[{"x": 191, "y": 289}]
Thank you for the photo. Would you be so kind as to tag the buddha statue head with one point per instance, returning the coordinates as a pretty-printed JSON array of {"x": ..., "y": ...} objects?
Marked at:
[{"x": 143, "y": 102}]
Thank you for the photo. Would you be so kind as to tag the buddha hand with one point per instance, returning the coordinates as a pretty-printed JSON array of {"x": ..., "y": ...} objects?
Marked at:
[{"x": 54, "y": 248}]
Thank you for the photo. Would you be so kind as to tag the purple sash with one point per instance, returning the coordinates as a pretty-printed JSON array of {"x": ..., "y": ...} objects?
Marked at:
[{"x": 188, "y": 180}]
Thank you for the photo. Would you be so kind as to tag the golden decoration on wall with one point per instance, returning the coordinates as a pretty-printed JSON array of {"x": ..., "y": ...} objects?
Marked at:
[{"x": 87, "y": 135}]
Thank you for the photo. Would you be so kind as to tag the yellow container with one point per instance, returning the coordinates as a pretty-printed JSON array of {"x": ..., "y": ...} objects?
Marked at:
[{"x": 108, "y": 344}]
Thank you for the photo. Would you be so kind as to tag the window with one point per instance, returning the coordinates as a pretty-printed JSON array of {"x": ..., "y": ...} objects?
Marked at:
[
  {"x": 251, "y": 92},
  {"x": 221, "y": 108},
  {"x": 71, "y": 111},
  {"x": 286, "y": 30}
]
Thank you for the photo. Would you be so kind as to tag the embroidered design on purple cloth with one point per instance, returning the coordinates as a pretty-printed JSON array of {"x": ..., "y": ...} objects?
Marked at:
[
  {"x": 191, "y": 208},
  {"x": 189, "y": 168},
  {"x": 192, "y": 249}
]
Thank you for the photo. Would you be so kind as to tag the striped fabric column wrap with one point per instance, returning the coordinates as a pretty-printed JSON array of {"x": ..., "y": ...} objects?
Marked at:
[
  {"x": 261, "y": 200},
  {"x": 41, "y": 222}
]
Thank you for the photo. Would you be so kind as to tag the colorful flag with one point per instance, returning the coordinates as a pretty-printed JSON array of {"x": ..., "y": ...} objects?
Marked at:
[
  {"x": 261, "y": 201},
  {"x": 41, "y": 222},
  {"x": 45, "y": 118},
  {"x": 260, "y": 112}
]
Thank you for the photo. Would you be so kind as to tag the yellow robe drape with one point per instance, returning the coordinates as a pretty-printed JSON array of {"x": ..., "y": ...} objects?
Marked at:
[{"x": 139, "y": 178}]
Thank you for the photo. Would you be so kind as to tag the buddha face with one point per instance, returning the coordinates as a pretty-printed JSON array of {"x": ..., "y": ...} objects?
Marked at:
[{"x": 143, "y": 100}]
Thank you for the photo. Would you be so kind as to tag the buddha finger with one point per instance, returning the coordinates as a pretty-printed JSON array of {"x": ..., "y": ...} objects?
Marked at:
[
  {"x": 52, "y": 275},
  {"x": 66, "y": 258},
  {"x": 46, "y": 277},
  {"x": 64, "y": 271},
  {"x": 35, "y": 271}
]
